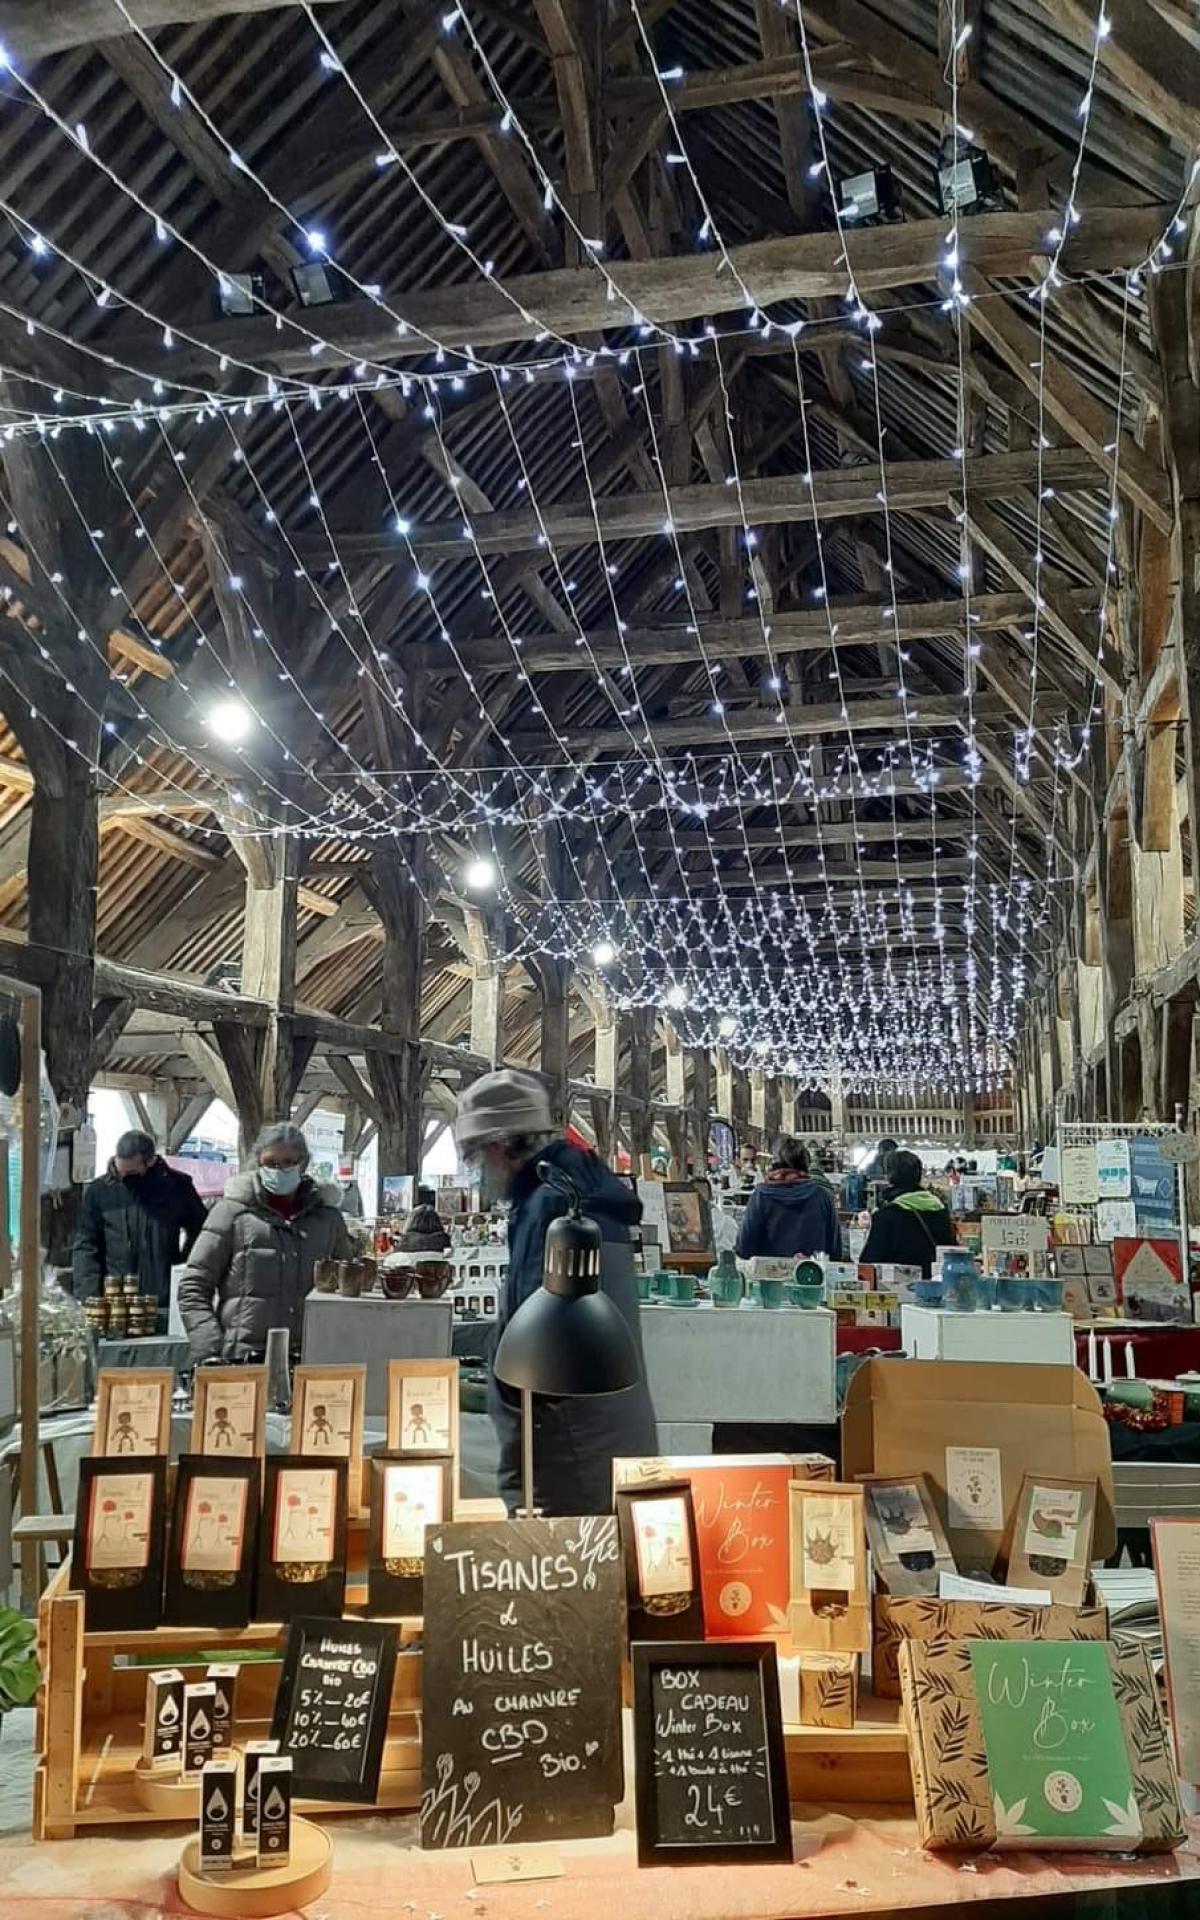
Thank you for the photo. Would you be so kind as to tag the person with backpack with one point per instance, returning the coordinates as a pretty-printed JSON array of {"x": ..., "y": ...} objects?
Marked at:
[
  {"x": 789, "y": 1213},
  {"x": 911, "y": 1224}
]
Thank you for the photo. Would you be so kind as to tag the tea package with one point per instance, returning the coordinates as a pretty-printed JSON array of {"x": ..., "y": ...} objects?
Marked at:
[
  {"x": 662, "y": 1562},
  {"x": 1050, "y": 1541},
  {"x": 908, "y": 1546},
  {"x": 830, "y": 1595}
]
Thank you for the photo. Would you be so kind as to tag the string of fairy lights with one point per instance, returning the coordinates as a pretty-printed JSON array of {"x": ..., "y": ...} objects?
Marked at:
[{"x": 787, "y": 982}]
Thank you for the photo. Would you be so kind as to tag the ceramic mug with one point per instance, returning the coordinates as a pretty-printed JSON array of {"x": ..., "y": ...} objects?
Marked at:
[
  {"x": 325, "y": 1276},
  {"x": 805, "y": 1294},
  {"x": 683, "y": 1287},
  {"x": 725, "y": 1289},
  {"x": 770, "y": 1293}
]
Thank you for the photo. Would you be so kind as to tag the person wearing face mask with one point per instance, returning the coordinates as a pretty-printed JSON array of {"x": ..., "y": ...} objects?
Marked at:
[
  {"x": 503, "y": 1127},
  {"x": 252, "y": 1266},
  {"x": 141, "y": 1216}
]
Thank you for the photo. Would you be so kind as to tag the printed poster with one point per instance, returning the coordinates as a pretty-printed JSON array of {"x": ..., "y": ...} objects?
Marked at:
[
  {"x": 1077, "y": 1182},
  {"x": 1113, "y": 1175},
  {"x": 1154, "y": 1186},
  {"x": 1177, "y": 1571}
]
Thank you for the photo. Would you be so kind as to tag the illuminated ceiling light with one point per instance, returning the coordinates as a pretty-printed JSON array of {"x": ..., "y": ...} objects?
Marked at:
[
  {"x": 239, "y": 294},
  {"x": 480, "y": 875},
  {"x": 603, "y": 953},
  {"x": 728, "y": 1026},
  {"x": 230, "y": 721},
  {"x": 317, "y": 283},
  {"x": 677, "y": 997},
  {"x": 869, "y": 199}
]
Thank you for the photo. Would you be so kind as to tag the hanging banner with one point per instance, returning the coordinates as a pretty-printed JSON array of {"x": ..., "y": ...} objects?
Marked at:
[{"x": 1112, "y": 1170}]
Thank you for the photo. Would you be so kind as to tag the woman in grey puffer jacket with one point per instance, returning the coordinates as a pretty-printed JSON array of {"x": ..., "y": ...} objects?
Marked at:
[{"x": 252, "y": 1264}]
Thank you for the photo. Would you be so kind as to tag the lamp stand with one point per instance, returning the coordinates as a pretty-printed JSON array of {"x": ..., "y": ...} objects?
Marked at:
[{"x": 528, "y": 1511}]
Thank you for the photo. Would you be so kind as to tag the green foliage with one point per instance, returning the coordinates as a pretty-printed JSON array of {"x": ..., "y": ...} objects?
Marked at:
[{"x": 20, "y": 1674}]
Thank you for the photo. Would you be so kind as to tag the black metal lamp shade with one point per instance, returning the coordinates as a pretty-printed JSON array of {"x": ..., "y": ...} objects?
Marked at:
[{"x": 568, "y": 1338}]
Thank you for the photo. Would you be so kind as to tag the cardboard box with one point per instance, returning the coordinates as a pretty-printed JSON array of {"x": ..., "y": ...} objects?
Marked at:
[
  {"x": 976, "y": 1428},
  {"x": 900, "y": 1622},
  {"x": 828, "y": 1690},
  {"x": 958, "y": 1808}
]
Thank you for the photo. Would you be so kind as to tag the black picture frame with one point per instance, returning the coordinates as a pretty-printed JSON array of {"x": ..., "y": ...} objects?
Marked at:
[
  {"x": 389, "y": 1592},
  {"x": 753, "y": 1657},
  {"x": 318, "y": 1773},
  {"x": 276, "y": 1598},
  {"x": 644, "y": 1623},
  {"x": 137, "y": 1604},
  {"x": 687, "y": 1190},
  {"x": 187, "y": 1605}
]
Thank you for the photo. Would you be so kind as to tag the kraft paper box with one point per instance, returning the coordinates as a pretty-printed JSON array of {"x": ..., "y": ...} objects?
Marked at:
[
  {"x": 1058, "y": 1745},
  {"x": 900, "y": 1622},
  {"x": 828, "y": 1690},
  {"x": 976, "y": 1429}
]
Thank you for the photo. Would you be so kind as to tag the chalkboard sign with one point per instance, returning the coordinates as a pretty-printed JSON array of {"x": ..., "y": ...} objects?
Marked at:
[
  {"x": 331, "y": 1710},
  {"x": 708, "y": 1740},
  {"x": 521, "y": 1738}
]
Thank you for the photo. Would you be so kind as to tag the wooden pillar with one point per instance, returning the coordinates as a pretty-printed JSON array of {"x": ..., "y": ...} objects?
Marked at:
[
  {"x": 554, "y": 1052},
  {"x": 787, "y": 1104},
  {"x": 701, "y": 1066},
  {"x": 604, "y": 1073},
  {"x": 485, "y": 946},
  {"x": 395, "y": 886},
  {"x": 772, "y": 1110},
  {"x": 725, "y": 1102},
  {"x": 1173, "y": 322},
  {"x": 758, "y": 1102},
  {"x": 673, "y": 1049},
  {"x": 641, "y": 1116}
]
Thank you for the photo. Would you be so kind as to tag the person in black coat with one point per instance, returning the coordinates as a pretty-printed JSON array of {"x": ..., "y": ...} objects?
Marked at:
[
  {"x": 503, "y": 1124},
  {"x": 140, "y": 1217},
  {"x": 789, "y": 1212},
  {"x": 911, "y": 1224}
]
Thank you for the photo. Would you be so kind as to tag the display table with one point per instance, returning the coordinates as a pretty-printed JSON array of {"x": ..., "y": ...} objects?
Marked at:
[
  {"x": 934, "y": 1333},
  {"x": 707, "y": 1366},
  {"x": 373, "y": 1330}
]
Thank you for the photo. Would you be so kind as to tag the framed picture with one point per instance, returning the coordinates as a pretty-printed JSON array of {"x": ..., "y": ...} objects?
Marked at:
[
  {"x": 699, "y": 1710},
  {"x": 214, "y": 1540},
  {"x": 327, "y": 1419},
  {"x": 664, "y": 1597},
  {"x": 423, "y": 1407},
  {"x": 332, "y": 1705},
  {"x": 229, "y": 1412},
  {"x": 133, "y": 1413},
  {"x": 117, "y": 1558},
  {"x": 407, "y": 1496},
  {"x": 689, "y": 1218},
  {"x": 302, "y": 1537}
]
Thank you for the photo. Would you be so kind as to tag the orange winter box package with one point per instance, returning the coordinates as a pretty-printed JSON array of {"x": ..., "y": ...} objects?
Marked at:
[{"x": 741, "y": 1504}]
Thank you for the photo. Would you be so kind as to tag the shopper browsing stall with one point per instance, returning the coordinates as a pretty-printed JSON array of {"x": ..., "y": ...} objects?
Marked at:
[
  {"x": 252, "y": 1265},
  {"x": 911, "y": 1224},
  {"x": 504, "y": 1125},
  {"x": 141, "y": 1216},
  {"x": 790, "y": 1213}
]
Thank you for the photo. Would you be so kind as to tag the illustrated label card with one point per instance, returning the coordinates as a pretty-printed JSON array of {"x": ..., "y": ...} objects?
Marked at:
[
  {"x": 214, "y": 1525},
  {"x": 305, "y": 1516},
  {"x": 1052, "y": 1529},
  {"x": 1055, "y": 1746},
  {"x": 325, "y": 1422},
  {"x": 412, "y": 1502},
  {"x": 903, "y": 1524},
  {"x": 910, "y": 1549},
  {"x": 828, "y": 1552},
  {"x": 662, "y": 1539},
  {"x": 119, "y": 1521},
  {"x": 228, "y": 1416},
  {"x": 425, "y": 1424},
  {"x": 974, "y": 1489},
  {"x": 132, "y": 1414}
]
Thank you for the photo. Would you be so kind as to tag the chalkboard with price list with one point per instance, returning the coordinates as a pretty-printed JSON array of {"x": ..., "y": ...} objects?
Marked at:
[
  {"x": 708, "y": 1743},
  {"x": 331, "y": 1710}
]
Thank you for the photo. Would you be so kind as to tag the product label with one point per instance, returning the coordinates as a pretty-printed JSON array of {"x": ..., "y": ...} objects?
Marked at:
[{"x": 974, "y": 1490}]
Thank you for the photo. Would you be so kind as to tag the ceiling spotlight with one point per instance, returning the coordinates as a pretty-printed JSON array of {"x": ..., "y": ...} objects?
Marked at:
[
  {"x": 727, "y": 1026},
  {"x": 239, "y": 294},
  {"x": 966, "y": 179},
  {"x": 603, "y": 953},
  {"x": 869, "y": 199},
  {"x": 677, "y": 997},
  {"x": 317, "y": 283},
  {"x": 230, "y": 721},
  {"x": 480, "y": 875}
]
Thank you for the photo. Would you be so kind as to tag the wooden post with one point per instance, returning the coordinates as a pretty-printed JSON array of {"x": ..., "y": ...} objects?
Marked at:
[
  {"x": 641, "y": 1116},
  {"x": 485, "y": 949},
  {"x": 398, "y": 1079},
  {"x": 772, "y": 1110},
  {"x": 31, "y": 1074},
  {"x": 554, "y": 1047},
  {"x": 701, "y": 1107},
  {"x": 725, "y": 1102}
]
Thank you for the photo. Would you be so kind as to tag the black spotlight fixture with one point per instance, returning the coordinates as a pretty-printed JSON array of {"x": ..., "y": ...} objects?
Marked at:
[
  {"x": 869, "y": 199},
  {"x": 317, "y": 283},
  {"x": 240, "y": 294},
  {"x": 966, "y": 179}
]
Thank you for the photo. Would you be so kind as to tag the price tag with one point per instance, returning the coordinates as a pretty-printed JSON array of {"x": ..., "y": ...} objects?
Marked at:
[{"x": 515, "y": 1863}]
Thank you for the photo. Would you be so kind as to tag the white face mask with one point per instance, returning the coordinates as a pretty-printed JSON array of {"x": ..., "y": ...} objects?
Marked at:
[{"x": 282, "y": 1180}]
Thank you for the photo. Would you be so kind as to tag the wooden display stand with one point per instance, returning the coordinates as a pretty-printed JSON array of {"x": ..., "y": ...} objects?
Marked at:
[{"x": 249, "y": 1892}]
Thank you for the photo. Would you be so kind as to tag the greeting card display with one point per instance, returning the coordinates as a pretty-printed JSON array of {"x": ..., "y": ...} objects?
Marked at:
[
  {"x": 117, "y": 1558},
  {"x": 214, "y": 1540},
  {"x": 1050, "y": 1541},
  {"x": 423, "y": 1407},
  {"x": 327, "y": 1419},
  {"x": 302, "y": 1538},
  {"x": 831, "y": 1610},
  {"x": 133, "y": 1413},
  {"x": 662, "y": 1562},
  {"x": 407, "y": 1496},
  {"x": 229, "y": 1412},
  {"x": 907, "y": 1543}
]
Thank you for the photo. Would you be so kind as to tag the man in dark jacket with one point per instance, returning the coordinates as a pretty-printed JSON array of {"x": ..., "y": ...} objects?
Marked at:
[
  {"x": 789, "y": 1213},
  {"x": 503, "y": 1124},
  {"x": 911, "y": 1224},
  {"x": 139, "y": 1217}
]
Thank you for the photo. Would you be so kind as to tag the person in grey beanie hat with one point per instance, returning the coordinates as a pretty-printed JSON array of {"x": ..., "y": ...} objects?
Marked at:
[{"x": 504, "y": 1126}]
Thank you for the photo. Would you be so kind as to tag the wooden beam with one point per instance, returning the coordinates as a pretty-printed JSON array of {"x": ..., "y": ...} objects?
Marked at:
[
  {"x": 1067, "y": 401},
  {"x": 1156, "y": 69},
  {"x": 694, "y": 286},
  {"x": 1081, "y": 639},
  {"x": 31, "y": 32},
  {"x": 837, "y": 493}
]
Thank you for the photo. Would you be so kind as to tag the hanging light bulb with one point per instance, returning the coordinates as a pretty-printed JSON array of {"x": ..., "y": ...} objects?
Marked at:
[
  {"x": 677, "y": 997},
  {"x": 603, "y": 953},
  {"x": 480, "y": 875},
  {"x": 727, "y": 1026},
  {"x": 231, "y": 721}
]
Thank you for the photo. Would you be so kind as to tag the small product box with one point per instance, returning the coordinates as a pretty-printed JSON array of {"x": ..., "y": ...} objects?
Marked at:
[
  {"x": 162, "y": 1744},
  {"x": 828, "y": 1690},
  {"x": 274, "y": 1810},
  {"x": 224, "y": 1679},
  {"x": 199, "y": 1704},
  {"x": 218, "y": 1814},
  {"x": 843, "y": 1276},
  {"x": 253, "y": 1754}
]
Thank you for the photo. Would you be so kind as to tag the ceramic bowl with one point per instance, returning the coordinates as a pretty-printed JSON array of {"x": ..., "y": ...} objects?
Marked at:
[{"x": 806, "y": 1294}]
